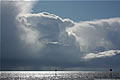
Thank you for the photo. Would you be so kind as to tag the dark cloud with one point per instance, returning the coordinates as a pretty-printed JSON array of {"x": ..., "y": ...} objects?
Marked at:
[{"x": 10, "y": 42}]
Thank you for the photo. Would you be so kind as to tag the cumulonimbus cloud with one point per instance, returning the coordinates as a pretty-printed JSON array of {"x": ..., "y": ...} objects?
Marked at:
[
  {"x": 40, "y": 29},
  {"x": 92, "y": 36},
  {"x": 58, "y": 40}
]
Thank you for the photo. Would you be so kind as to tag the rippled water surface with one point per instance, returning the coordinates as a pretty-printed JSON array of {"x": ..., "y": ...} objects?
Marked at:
[{"x": 58, "y": 75}]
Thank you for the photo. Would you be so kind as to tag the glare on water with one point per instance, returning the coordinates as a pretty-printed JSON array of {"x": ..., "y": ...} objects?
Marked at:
[{"x": 58, "y": 75}]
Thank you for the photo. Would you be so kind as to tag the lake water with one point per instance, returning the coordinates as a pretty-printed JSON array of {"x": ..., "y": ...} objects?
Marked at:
[{"x": 58, "y": 75}]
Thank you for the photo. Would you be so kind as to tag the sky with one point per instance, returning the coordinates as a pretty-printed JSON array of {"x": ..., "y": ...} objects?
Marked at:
[
  {"x": 79, "y": 10},
  {"x": 67, "y": 35}
]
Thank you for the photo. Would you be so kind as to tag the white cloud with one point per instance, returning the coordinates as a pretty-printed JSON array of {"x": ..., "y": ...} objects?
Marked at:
[
  {"x": 104, "y": 54},
  {"x": 97, "y": 35},
  {"x": 43, "y": 28},
  {"x": 22, "y": 6}
]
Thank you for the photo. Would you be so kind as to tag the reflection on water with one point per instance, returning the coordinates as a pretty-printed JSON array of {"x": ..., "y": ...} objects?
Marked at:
[{"x": 58, "y": 75}]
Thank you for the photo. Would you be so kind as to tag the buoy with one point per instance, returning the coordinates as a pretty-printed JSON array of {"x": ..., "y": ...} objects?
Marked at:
[{"x": 110, "y": 70}]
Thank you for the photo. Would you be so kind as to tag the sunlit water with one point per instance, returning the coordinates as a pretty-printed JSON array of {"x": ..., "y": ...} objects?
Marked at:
[{"x": 58, "y": 75}]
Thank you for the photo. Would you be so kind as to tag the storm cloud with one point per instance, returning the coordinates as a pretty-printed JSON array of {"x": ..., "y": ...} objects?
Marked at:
[{"x": 38, "y": 41}]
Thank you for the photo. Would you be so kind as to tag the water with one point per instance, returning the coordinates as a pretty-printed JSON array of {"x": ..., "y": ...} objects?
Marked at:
[{"x": 58, "y": 75}]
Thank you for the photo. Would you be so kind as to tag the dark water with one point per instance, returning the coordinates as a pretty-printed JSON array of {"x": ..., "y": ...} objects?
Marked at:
[{"x": 58, "y": 75}]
